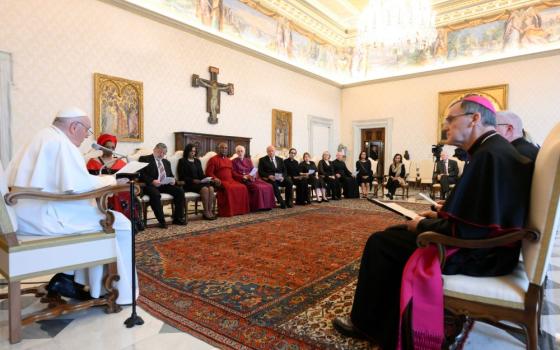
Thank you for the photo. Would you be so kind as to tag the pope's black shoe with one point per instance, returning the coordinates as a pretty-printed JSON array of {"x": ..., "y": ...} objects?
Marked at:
[
  {"x": 345, "y": 327},
  {"x": 64, "y": 285}
]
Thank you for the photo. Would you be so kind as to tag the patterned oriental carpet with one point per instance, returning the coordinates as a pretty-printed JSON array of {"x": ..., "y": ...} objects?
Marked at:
[{"x": 271, "y": 280}]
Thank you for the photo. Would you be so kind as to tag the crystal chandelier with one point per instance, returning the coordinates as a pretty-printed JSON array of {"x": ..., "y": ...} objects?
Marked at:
[{"x": 397, "y": 24}]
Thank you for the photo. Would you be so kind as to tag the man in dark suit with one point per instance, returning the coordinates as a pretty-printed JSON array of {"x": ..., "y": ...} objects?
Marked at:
[
  {"x": 158, "y": 177},
  {"x": 510, "y": 126},
  {"x": 272, "y": 170},
  {"x": 447, "y": 172}
]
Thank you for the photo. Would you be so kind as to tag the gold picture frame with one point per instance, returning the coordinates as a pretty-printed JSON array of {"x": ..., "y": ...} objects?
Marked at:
[
  {"x": 118, "y": 108},
  {"x": 497, "y": 94},
  {"x": 281, "y": 129}
]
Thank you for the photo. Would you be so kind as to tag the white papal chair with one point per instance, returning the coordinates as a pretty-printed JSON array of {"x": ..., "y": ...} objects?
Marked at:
[
  {"x": 26, "y": 256},
  {"x": 515, "y": 298}
]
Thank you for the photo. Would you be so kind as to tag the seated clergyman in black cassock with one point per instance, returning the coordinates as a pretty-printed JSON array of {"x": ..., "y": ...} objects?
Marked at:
[
  {"x": 344, "y": 176},
  {"x": 487, "y": 202}
]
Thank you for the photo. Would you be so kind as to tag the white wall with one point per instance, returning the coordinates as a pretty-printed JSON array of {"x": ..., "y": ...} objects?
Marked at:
[
  {"x": 58, "y": 45},
  {"x": 534, "y": 86}
]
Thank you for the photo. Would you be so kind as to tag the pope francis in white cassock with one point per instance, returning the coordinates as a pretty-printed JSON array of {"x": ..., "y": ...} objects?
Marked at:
[{"x": 52, "y": 161}]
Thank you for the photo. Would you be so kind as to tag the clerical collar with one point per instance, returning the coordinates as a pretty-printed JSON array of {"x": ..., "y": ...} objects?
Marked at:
[{"x": 476, "y": 145}]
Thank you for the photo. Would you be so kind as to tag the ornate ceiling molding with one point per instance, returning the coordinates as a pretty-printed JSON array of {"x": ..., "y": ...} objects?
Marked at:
[
  {"x": 452, "y": 12},
  {"x": 333, "y": 29},
  {"x": 309, "y": 18}
]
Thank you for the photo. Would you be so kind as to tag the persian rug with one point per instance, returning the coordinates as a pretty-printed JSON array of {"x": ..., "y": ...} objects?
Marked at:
[{"x": 270, "y": 281}]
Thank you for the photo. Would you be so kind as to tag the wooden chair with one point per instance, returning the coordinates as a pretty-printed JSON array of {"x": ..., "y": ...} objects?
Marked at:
[
  {"x": 24, "y": 256},
  {"x": 404, "y": 187},
  {"x": 517, "y": 297}
]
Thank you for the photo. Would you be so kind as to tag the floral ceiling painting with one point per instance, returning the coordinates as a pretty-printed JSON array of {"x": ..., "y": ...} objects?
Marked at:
[{"x": 520, "y": 31}]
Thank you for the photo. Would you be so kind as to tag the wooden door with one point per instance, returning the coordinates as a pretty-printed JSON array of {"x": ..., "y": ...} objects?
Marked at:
[{"x": 373, "y": 142}]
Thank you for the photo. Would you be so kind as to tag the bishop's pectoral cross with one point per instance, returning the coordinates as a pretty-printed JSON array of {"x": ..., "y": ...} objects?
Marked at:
[{"x": 213, "y": 89}]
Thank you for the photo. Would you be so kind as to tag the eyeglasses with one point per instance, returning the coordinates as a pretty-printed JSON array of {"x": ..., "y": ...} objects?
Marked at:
[
  {"x": 449, "y": 119},
  {"x": 89, "y": 131},
  {"x": 293, "y": 152},
  {"x": 503, "y": 124}
]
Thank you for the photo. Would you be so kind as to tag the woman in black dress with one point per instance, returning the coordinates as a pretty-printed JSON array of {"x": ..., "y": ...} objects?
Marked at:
[
  {"x": 326, "y": 172},
  {"x": 313, "y": 179},
  {"x": 397, "y": 173},
  {"x": 299, "y": 180},
  {"x": 190, "y": 172},
  {"x": 365, "y": 174}
]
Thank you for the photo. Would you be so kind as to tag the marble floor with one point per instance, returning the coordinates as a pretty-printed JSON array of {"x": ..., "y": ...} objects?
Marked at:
[{"x": 93, "y": 329}]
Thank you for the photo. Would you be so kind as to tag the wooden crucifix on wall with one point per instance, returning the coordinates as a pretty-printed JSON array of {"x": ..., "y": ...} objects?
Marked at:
[{"x": 213, "y": 89}]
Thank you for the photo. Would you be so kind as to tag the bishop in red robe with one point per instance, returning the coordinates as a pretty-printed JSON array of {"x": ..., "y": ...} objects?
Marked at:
[{"x": 233, "y": 197}]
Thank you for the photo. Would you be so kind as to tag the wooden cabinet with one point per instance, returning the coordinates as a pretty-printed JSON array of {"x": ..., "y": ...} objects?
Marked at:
[{"x": 207, "y": 142}]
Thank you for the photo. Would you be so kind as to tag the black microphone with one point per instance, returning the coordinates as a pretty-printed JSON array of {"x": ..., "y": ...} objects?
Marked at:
[{"x": 101, "y": 148}]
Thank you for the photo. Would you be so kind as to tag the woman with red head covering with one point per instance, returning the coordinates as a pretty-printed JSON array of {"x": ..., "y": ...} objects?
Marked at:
[{"x": 108, "y": 164}]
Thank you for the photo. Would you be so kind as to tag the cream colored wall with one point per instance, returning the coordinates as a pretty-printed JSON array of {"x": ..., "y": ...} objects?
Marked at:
[
  {"x": 58, "y": 45},
  {"x": 412, "y": 103}
]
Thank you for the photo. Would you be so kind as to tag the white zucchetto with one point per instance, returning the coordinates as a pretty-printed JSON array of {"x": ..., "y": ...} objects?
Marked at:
[{"x": 71, "y": 112}]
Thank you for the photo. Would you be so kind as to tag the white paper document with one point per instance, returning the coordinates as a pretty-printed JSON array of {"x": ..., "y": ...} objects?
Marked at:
[
  {"x": 311, "y": 171},
  {"x": 206, "y": 180},
  {"x": 395, "y": 208},
  {"x": 431, "y": 201},
  {"x": 278, "y": 177},
  {"x": 132, "y": 167},
  {"x": 355, "y": 173},
  {"x": 253, "y": 172},
  {"x": 168, "y": 180}
]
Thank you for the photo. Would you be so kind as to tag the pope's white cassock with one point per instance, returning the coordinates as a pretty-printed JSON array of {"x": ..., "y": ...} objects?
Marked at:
[{"x": 51, "y": 162}]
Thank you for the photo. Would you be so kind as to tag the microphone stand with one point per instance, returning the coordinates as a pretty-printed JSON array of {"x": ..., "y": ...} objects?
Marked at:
[{"x": 134, "y": 319}]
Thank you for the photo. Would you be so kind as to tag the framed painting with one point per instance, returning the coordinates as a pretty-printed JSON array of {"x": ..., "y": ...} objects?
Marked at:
[
  {"x": 118, "y": 108},
  {"x": 281, "y": 129},
  {"x": 497, "y": 94}
]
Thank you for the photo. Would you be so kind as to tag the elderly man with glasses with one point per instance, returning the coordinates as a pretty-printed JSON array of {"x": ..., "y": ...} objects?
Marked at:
[
  {"x": 398, "y": 284},
  {"x": 52, "y": 162},
  {"x": 510, "y": 126}
]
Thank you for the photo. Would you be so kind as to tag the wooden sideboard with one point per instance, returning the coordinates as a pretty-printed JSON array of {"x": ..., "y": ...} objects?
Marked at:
[{"x": 207, "y": 142}]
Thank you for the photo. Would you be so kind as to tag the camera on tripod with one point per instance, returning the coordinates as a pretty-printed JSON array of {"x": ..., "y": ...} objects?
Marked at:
[{"x": 436, "y": 150}]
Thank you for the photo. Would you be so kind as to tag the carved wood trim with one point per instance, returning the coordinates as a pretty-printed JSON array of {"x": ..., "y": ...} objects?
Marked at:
[
  {"x": 58, "y": 306},
  {"x": 21, "y": 193},
  {"x": 427, "y": 238},
  {"x": 100, "y": 194}
]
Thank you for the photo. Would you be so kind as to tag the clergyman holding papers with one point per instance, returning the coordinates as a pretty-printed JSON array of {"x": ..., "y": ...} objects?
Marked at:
[{"x": 479, "y": 207}]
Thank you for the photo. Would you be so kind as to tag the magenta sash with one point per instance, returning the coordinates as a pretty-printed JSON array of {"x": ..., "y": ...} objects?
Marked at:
[{"x": 422, "y": 285}]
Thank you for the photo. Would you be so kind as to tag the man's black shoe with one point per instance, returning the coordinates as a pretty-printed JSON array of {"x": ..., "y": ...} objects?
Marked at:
[
  {"x": 345, "y": 327},
  {"x": 181, "y": 222},
  {"x": 162, "y": 225},
  {"x": 64, "y": 285},
  {"x": 290, "y": 204},
  {"x": 283, "y": 205}
]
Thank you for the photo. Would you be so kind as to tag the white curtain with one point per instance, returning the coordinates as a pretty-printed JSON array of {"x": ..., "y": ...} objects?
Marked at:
[{"x": 5, "y": 117}]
